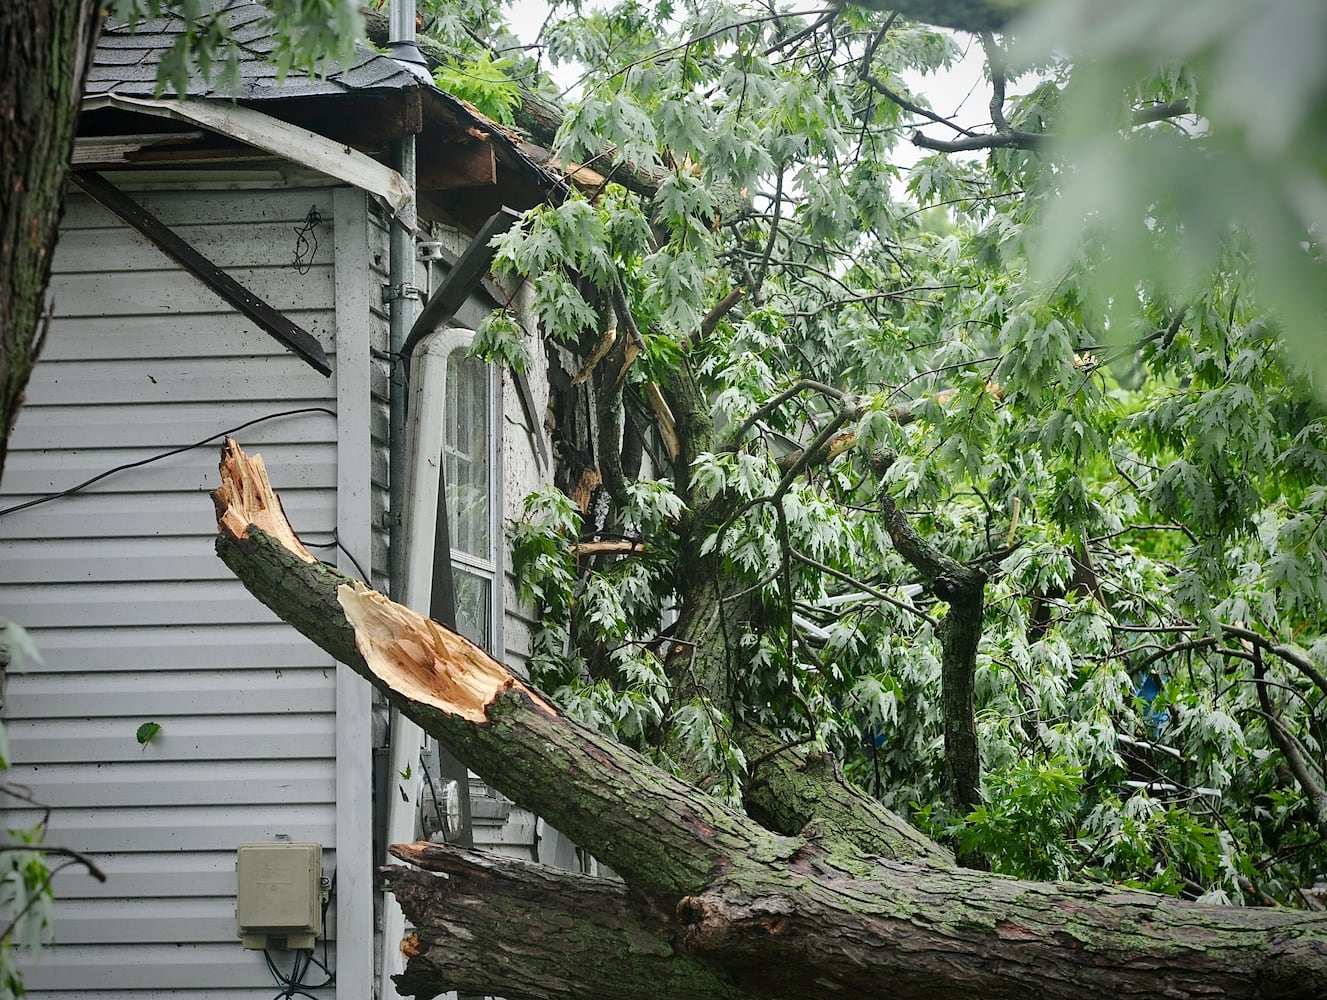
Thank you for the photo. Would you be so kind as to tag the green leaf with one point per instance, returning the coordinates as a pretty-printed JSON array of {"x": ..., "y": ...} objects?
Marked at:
[{"x": 147, "y": 732}]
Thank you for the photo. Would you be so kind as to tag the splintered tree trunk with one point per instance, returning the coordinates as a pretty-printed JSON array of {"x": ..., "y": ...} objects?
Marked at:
[
  {"x": 47, "y": 46},
  {"x": 714, "y": 902}
]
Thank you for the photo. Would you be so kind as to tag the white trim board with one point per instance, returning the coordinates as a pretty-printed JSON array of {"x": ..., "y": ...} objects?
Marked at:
[{"x": 272, "y": 135}]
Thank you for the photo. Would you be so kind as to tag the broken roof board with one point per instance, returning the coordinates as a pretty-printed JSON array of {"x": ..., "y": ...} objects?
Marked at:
[{"x": 274, "y": 136}]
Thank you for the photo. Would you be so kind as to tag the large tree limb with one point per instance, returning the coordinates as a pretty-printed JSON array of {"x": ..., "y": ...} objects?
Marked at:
[
  {"x": 963, "y": 588},
  {"x": 788, "y": 791},
  {"x": 965, "y": 15},
  {"x": 556, "y": 935},
  {"x": 48, "y": 48},
  {"x": 772, "y": 914},
  {"x": 670, "y": 840}
]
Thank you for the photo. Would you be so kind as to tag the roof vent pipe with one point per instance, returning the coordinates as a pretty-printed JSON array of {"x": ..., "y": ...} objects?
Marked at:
[{"x": 402, "y": 46}]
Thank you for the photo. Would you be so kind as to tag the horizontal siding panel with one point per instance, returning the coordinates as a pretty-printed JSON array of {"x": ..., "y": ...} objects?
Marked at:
[
  {"x": 178, "y": 293},
  {"x": 106, "y": 515},
  {"x": 121, "y": 921},
  {"x": 157, "y": 426},
  {"x": 127, "y": 560},
  {"x": 199, "y": 205},
  {"x": 192, "y": 783},
  {"x": 136, "y": 618},
  {"x": 226, "y": 246},
  {"x": 283, "y": 379},
  {"x": 108, "y": 739},
  {"x": 40, "y": 473},
  {"x": 113, "y": 560},
  {"x": 160, "y": 970},
  {"x": 168, "y": 875},
  {"x": 109, "y": 604},
  {"x": 105, "y": 338},
  {"x": 188, "y": 828},
  {"x": 185, "y": 692},
  {"x": 243, "y": 994},
  {"x": 89, "y": 650}
]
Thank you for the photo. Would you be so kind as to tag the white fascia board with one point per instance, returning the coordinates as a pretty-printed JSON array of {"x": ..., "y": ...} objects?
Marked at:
[{"x": 274, "y": 136}]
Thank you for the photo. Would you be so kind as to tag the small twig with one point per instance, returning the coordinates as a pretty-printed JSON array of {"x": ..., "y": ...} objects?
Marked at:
[
  {"x": 811, "y": 29},
  {"x": 864, "y": 587},
  {"x": 765, "y": 409}
]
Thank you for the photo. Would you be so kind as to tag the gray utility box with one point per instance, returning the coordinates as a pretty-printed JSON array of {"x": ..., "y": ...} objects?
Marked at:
[{"x": 279, "y": 902}]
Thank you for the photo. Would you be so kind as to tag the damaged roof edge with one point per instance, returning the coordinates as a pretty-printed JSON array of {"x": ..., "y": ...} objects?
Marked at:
[{"x": 274, "y": 136}]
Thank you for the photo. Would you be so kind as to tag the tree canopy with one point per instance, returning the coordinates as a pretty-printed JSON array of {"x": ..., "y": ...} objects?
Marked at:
[{"x": 1015, "y": 512}]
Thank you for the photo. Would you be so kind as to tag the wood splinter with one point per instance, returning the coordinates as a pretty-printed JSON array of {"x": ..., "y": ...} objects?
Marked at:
[{"x": 413, "y": 655}]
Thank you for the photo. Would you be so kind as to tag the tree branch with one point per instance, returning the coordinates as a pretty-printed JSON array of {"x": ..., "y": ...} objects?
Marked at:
[
  {"x": 562, "y": 935},
  {"x": 765, "y": 409},
  {"x": 963, "y": 588},
  {"x": 1312, "y": 790},
  {"x": 789, "y": 791}
]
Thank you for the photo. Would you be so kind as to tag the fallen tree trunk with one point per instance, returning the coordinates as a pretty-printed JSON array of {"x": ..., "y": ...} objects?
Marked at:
[
  {"x": 766, "y": 914},
  {"x": 589, "y": 936}
]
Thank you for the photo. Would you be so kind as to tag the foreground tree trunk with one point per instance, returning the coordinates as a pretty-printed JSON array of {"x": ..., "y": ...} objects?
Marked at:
[
  {"x": 713, "y": 902},
  {"x": 47, "y": 49}
]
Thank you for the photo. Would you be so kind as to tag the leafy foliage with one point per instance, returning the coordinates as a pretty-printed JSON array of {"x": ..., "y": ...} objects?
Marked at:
[
  {"x": 1144, "y": 486},
  {"x": 483, "y": 81},
  {"x": 25, "y": 876}
]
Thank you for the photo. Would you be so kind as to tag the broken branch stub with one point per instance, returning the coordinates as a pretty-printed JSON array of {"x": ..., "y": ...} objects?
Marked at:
[
  {"x": 245, "y": 497},
  {"x": 411, "y": 654}
]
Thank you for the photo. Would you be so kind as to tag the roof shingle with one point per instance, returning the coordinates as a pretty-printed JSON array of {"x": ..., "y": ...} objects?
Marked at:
[{"x": 128, "y": 55}]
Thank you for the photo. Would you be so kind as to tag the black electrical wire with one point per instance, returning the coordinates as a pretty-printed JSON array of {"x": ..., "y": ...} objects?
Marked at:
[
  {"x": 437, "y": 806},
  {"x": 336, "y": 541},
  {"x": 157, "y": 458},
  {"x": 293, "y": 985}
]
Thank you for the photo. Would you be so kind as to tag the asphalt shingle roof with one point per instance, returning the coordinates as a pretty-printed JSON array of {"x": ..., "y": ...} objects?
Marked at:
[{"x": 128, "y": 54}]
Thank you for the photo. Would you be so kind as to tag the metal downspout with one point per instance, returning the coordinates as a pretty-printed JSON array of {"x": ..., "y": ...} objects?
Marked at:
[
  {"x": 403, "y": 297},
  {"x": 402, "y": 304},
  {"x": 404, "y": 737}
]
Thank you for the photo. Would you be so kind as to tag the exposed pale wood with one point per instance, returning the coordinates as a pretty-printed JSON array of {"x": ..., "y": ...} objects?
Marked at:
[
  {"x": 667, "y": 425},
  {"x": 601, "y": 349},
  {"x": 274, "y": 136},
  {"x": 607, "y": 547},
  {"x": 245, "y": 498},
  {"x": 420, "y": 659}
]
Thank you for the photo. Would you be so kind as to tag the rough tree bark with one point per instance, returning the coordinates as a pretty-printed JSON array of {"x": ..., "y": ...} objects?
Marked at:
[
  {"x": 47, "y": 48},
  {"x": 711, "y": 898}
]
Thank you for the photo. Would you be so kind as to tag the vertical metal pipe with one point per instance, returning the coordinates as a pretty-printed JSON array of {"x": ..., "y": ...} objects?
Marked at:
[
  {"x": 402, "y": 21},
  {"x": 401, "y": 279},
  {"x": 405, "y": 736}
]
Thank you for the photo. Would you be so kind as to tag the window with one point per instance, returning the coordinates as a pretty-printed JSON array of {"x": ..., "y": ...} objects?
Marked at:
[{"x": 470, "y": 452}]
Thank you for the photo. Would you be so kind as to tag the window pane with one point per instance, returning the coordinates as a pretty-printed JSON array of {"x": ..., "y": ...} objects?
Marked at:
[
  {"x": 467, "y": 430},
  {"x": 474, "y": 595}
]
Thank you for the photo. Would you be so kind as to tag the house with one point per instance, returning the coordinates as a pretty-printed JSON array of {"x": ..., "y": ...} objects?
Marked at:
[{"x": 225, "y": 265}]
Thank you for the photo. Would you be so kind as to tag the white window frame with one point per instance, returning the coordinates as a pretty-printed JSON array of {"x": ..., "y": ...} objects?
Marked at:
[{"x": 428, "y": 409}]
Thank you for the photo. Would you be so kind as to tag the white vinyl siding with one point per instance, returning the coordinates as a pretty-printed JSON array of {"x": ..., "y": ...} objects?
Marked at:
[{"x": 136, "y": 618}]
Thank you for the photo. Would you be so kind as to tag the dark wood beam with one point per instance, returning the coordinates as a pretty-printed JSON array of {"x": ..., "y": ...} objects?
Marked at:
[{"x": 267, "y": 318}]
